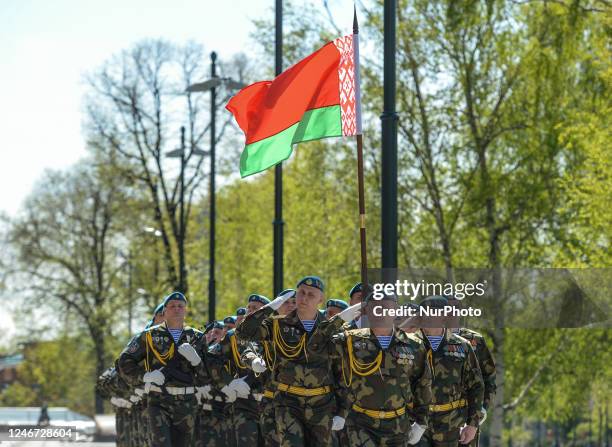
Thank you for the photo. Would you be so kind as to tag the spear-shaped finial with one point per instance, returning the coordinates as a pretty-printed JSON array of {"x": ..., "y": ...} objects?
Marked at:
[{"x": 355, "y": 24}]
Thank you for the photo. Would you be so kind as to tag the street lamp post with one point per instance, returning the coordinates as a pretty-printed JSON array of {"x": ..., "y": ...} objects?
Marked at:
[
  {"x": 389, "y": 119},
  {"x": 180, "y": 153},
  {"x": 212, "y": 85}
]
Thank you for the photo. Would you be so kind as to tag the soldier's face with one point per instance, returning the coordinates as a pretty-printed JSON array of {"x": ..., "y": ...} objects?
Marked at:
[
  {"x": 239, "y": 319},
  {"x": 175, "y": 310},
  {"x": 216, "y": 334},
  {"x": 331, "y": 311},
  {"x": 229, "y": 326},
  {"x": 287, "y": 307},
  {"x": 308, "y": 299},
  {"x": 356, "y": 298},
  {"x": 253, "y": 306}
]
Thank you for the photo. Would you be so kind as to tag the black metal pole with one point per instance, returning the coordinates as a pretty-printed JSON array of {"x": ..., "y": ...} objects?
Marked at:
[
  {"x": 211, "y": 274},
  {"x": 389, "y": 121},
  {"x": 182, "y": 226},
  {"x": 278, "y": 170}
]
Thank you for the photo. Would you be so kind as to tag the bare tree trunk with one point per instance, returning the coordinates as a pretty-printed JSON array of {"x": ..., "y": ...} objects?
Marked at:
[{"x": 99, "y": 343}]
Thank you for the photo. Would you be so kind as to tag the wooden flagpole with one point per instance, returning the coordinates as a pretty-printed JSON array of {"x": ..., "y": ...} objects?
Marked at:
[{"x": 360, "y": 181}]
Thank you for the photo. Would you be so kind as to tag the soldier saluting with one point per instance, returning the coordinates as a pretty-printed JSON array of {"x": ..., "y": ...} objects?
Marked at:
[
  {"x": 457, "y": 385},
  {"x": 301, "y": 344},
  {"x": 167, "y": 359},
  {"x": 384, "y": 373}
]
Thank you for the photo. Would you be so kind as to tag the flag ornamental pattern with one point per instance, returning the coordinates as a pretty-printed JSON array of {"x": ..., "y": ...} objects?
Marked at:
[
  {"x": 315, "y": 98},
  {"x": 346, "y": 77}
]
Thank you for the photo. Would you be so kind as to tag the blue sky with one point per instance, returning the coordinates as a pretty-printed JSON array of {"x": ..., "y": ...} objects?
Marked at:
[{"x": 47, "y": 46}]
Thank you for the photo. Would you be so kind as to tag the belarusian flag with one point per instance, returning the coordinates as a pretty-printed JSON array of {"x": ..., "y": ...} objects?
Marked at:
[{"x": 316, "y": 98}]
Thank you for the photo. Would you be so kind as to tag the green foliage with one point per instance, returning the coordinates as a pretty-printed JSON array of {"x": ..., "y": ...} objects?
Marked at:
[{"x": 48, "y": 374}]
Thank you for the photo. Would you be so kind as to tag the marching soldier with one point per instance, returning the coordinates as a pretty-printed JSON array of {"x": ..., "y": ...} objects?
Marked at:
[
  {"x": 486, "y": 363},
  {"x": 457, "y": 384},
  {"x": 167, "y": 360},
  {"x": 229, "y": 323},
  {"x": 334, "y": 307},
  {"x": 383, "y": 373},
  {"x": 305, "y": 399},
  {"x": 238, "y": 380},
  {"x": 209, "y": 428},
  {"x": 110, "y": 386},
  {"x": 356, "y": 297},
  {"x": 158, "y": 316},
  {"x": 214, "y": 332},
  {"x": 267, "y": 420},
  {"x": 240, "y": 314}
]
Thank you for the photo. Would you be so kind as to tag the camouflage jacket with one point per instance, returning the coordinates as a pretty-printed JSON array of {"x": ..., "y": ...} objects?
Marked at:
[
  {"x": 231, "y": 358},
  {"x": 402, "y": 380},
  {"x": 308, "y": 367},
  {"x": 485, "y": 361},
  {"x": 110, "y": 384},
  {"x": 456, "y": 376},
  {"x": 154, "y": 348}
]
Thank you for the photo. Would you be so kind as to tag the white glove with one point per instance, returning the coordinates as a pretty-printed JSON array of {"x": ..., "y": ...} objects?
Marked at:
[
  {"x": 484, "y": 416},
  {"x": 156, "y": 377},
  {"x": 187, "y": 351},
  {"x": 278, "y": 302},
  {"x": 337, "y": 423},
  {"x": 229, "y": 393},
  {"x": 241, "y": 387},
  {"x": 120, "y": 402},
  {"x": 258, "y": 365},
  {"x": 204, "y": 392},
  {"x": 416, "y": 431},
  {"x": 139, "y": 391},
  {"x": 350, "y": 313},
  {"x": 134, "y": 399}
]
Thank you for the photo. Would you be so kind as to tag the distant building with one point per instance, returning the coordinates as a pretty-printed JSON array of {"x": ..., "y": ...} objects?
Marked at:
[{"x": 8, "y": 369}]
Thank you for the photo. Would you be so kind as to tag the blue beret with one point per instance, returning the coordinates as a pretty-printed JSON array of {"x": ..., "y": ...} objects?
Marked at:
[
  {"x": 241, "y": 312},
  {"x": 292, "y": 291},
  {"x": 258, "y": 299},
  {"x": 312, "y": 281},
  {"x": 229, "y": 320},
  {"x": 159, "y": 309},
  {"x": 340, "y": 304},
  {"x": 218, "y": 325},
  {"x": 178, "y": 296},
  {"x": 356, "y": 288}
]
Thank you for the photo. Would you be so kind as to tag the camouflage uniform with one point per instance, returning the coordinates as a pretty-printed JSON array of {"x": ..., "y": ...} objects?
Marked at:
[
  {"x": 171, "y": 416},
  {"x": 267, "y": 419},
  {"x": 487, "y": 368},
  {"x": 305, "y": 398},
  {"x": 232, "y": 361},
  {"x": 457, "y": 390},
  {"x": 110, "y": 385},
  {"x": 403, "y": 380}
]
